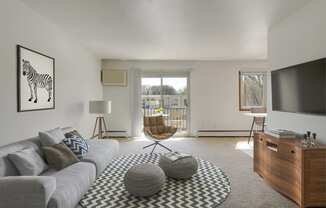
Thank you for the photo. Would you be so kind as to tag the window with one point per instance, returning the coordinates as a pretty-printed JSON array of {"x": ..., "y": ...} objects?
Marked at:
[{"x": 252, "y": 90}]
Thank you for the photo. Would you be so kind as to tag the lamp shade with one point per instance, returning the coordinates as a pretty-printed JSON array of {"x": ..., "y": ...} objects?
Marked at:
[{"x": 100, "y": 106}]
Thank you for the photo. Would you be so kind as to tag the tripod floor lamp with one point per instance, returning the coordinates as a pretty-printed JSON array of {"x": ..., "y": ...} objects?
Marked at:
[{"x": 100, "y": 107}]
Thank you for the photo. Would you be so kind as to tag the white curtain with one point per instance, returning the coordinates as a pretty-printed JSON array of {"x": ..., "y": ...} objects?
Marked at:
[{"x": 135, "y": 104}]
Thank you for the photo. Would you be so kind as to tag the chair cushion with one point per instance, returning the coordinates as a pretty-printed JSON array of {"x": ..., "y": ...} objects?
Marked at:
[
  {"x": 160, "y": 132},
  {"x": 59, "y": 156},
  {"x": 101, "y": 153},
  {"x": 77, "y": 145},
  {"x": 28, "y": 162},
  {"x": 160, "y": 129},
  {"x": 162, "y": 136},
  {"x": 153, "y": 121},
  {"x": 51, "y": 137},
  {"x": 154, "y": 130},
  {"x": 72, "y": 183}
]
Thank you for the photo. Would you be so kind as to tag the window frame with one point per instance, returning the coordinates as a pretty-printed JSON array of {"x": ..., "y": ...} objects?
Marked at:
[{"x": 248, "y": 108}]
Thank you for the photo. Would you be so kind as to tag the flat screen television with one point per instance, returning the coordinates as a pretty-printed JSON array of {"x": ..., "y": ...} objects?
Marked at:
[{"x": 300, "y": 88}]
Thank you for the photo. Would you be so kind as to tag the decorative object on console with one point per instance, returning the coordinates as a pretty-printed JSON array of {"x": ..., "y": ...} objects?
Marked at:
[
  {"x": 59, "y": 156},
  {"x": 281, "y": 133},
  {"x": 100, "y": 107},
  {"x": 314, "y": 137},
  {"x": 28, "y": 162},
  {"x": 309, "y": 141},
  {"x": 206, "y": 189},
  {"x": 35, "y": 80}
]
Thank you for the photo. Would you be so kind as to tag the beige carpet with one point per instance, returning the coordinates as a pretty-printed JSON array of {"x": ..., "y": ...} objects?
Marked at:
[{"x": 233, "y": 156}]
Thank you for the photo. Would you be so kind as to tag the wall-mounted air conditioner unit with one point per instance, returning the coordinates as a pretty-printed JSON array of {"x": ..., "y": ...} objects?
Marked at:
[{"x": 111, "y": 77}]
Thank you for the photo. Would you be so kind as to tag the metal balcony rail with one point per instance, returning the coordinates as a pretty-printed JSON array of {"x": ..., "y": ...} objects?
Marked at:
[{"x": 173, "y": 116}]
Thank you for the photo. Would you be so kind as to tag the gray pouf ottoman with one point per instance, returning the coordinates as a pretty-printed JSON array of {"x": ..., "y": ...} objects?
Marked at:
[
  {"x": 144, "y": 179},
  {"x": 182, "y": 168}
]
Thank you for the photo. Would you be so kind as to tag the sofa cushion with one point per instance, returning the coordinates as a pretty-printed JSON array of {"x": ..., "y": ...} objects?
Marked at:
[
  {"x": 72, "y": 183},
  {"x": 51, "y": 137},
  {"x": 7, "y": 168},
  {"x": 77, "y": 145},
  {"x": 59, "y": 156},
  {"x": 101, "y": 153},
  {"x": 28, "y": 162}
]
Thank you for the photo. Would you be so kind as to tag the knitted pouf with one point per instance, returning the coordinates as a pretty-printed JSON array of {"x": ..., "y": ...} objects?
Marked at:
[
  {"x": 182, "y": 168},
  {"x": 144, "y": 179}
]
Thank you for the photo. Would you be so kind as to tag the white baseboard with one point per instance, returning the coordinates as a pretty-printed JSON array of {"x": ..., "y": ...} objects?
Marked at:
[
  {"x": 117, "y": 133},
  {"x": 223, "y": 133}
]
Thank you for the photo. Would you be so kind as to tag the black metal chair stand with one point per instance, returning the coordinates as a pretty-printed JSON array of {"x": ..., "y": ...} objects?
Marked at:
[{"x": 155, "y": 144}]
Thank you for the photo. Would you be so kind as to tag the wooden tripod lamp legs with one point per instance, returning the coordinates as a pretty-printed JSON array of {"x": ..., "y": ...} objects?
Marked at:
[{"x": 100, "y": 125}]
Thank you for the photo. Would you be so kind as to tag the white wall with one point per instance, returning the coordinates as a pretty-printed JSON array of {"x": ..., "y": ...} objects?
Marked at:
[
  {"x": 299, "y": 38},
  {"x": 77, "y": 75},
  {"x": 213, "y": 92}
]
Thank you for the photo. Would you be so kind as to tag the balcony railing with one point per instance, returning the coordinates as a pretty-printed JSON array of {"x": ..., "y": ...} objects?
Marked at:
[{"x": 176, "y": 117}]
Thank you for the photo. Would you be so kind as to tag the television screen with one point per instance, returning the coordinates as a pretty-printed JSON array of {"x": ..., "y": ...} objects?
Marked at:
[{"x": 300, "y": 88}]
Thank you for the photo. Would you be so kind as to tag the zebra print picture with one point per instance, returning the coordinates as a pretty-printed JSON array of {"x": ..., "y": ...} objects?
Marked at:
[{"x": 35, "y": 80}]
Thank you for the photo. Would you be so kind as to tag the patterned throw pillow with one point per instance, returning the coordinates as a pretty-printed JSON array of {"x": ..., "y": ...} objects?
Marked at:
[
  {"x": 77, "y": 145},
  {"x": 72, "y": 134}
]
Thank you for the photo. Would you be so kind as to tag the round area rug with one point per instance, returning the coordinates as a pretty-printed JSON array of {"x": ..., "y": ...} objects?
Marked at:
[{"x": 208, "y": 188}]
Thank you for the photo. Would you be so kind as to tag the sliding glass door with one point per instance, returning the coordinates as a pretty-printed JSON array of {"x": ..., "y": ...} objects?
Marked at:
[{"x": 167, "y": 95}]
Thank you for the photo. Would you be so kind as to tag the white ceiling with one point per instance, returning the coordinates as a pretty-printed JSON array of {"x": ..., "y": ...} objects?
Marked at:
[{"x": 169, "y": 29}]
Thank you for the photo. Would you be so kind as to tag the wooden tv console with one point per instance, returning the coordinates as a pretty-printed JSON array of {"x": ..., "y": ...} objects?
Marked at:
[{"x": 295, "y": 171}]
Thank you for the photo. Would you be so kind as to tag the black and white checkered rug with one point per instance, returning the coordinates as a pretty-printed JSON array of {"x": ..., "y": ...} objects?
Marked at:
[{"x": 208, "y": 188}]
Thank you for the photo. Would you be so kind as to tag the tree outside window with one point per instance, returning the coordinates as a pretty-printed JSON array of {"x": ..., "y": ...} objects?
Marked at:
[{"x": 252, "y": 90}]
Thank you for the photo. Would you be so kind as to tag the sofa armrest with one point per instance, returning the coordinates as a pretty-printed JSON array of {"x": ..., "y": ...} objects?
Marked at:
[{"x": 26, "y": 191}]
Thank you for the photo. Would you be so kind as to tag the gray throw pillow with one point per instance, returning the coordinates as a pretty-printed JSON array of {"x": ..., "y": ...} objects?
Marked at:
[
  {"x": 51, "y": 137},
  {"x": 28, "y": 162},
  {"x": 59, "y": 156}
]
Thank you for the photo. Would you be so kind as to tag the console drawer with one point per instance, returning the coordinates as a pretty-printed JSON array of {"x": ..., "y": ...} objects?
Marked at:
[{"x": 287, "y": 152}]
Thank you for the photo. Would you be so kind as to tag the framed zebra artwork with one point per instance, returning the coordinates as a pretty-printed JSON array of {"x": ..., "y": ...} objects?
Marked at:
[{"x": 35, "y": 80}]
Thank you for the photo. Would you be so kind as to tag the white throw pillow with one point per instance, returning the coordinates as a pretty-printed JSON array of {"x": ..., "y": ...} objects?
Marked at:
[
  {"x": 28, "y": 162},
  {"x": 51, "y": 137}
]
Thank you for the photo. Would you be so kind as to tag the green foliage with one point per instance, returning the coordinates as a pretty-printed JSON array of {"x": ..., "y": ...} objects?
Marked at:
[{"x": 156, "y": 90}]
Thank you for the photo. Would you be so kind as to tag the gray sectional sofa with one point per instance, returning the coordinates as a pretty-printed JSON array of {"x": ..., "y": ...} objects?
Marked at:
[{"x": 52, "y": 189}]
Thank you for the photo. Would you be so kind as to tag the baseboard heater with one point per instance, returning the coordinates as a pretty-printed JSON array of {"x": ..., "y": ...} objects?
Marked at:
[
  {"x": 118, "y": 133},
  {"x": 223, "y": 133}
]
